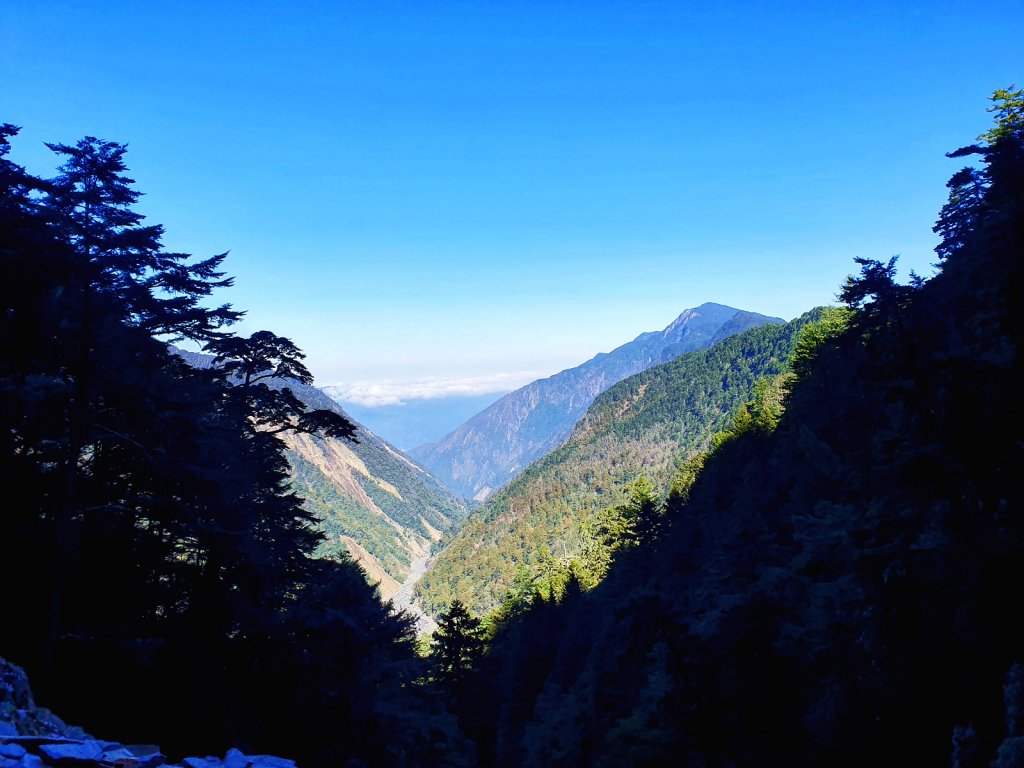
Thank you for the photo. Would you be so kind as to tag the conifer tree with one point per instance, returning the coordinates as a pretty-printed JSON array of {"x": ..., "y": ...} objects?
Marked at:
[
  {"x": 169, "y": 550},
  {"x": 92, "y": 201},
  {"x": 457, "y": 644},
  {"x": 260, "y": 367},
  {"x": 972, "y": 200}
]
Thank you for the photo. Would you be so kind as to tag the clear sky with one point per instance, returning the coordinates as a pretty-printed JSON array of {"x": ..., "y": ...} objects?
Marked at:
[{"x": 453, "y": 192}]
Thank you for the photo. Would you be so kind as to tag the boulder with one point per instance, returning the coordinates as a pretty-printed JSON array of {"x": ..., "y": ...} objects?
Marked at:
[
  {"x": 202, "y": 762},
  {"x": 236, "y": 759},
  {"x": 34, "y": 737},
  {"x": 13, "y": 751},
  {"x": 140, "y": 756},
  {"x": 270, "y": 761},
  {"x": 72, "y": 752}
]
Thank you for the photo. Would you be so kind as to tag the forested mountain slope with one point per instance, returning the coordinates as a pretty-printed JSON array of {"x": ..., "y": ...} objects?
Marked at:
[
  {"x": 495, "y": 445},
  {"x": 368, "y": 497},
  {"x": 839, "y": 586},
  {"x": 647, "y": 424}
]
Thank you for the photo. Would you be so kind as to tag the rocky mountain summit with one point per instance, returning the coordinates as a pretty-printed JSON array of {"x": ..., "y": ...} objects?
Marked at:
[{"x": 33, "y": 737}]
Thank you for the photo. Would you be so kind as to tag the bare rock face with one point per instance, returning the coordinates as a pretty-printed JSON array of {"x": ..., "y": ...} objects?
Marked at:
[{"x": 33, "y": 737}]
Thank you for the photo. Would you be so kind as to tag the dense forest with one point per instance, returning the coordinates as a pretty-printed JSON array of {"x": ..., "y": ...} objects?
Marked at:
[{"x": 830, "y": 582}]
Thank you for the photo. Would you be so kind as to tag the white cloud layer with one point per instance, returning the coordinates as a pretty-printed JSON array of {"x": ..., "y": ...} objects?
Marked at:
[{"x": 375, "y": 394}]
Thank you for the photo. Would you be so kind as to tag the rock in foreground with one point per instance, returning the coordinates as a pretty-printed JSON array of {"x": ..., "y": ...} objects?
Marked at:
[{"x": 33, "y": 737}]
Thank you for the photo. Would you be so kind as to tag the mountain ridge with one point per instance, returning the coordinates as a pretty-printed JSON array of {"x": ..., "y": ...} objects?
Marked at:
[{"x": 495, "y": 445}]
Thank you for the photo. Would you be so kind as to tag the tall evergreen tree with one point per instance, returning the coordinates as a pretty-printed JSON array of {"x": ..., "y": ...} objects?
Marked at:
[
  {"x": 162, "y": 292},
  {"x": 170, "y": 553},
  {"x": 457, "y": 644}
]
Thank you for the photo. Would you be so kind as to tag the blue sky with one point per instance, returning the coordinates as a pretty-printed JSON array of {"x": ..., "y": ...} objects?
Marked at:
[{"x": 425, "y": 194}]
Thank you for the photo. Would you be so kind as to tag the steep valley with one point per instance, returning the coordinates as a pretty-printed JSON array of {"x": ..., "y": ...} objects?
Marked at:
[
  {"x": 647, "y": 424},
  {"x": 373, "y": 503}
]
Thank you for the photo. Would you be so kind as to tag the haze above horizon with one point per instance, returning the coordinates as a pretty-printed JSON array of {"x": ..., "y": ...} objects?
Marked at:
[{"x": 448, "y": 197}]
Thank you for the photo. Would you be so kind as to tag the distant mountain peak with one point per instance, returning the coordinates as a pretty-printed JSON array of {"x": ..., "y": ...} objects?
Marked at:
[{"x": 492, "y": 447}]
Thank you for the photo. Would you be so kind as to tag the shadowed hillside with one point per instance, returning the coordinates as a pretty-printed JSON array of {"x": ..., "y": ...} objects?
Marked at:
[{"x": 837, "y": 584}]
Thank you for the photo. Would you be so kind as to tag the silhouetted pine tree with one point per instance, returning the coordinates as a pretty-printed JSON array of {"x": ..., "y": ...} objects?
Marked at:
[
  {"x": 457, "y": 644},
  {"x": 165, "y": 590}
]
